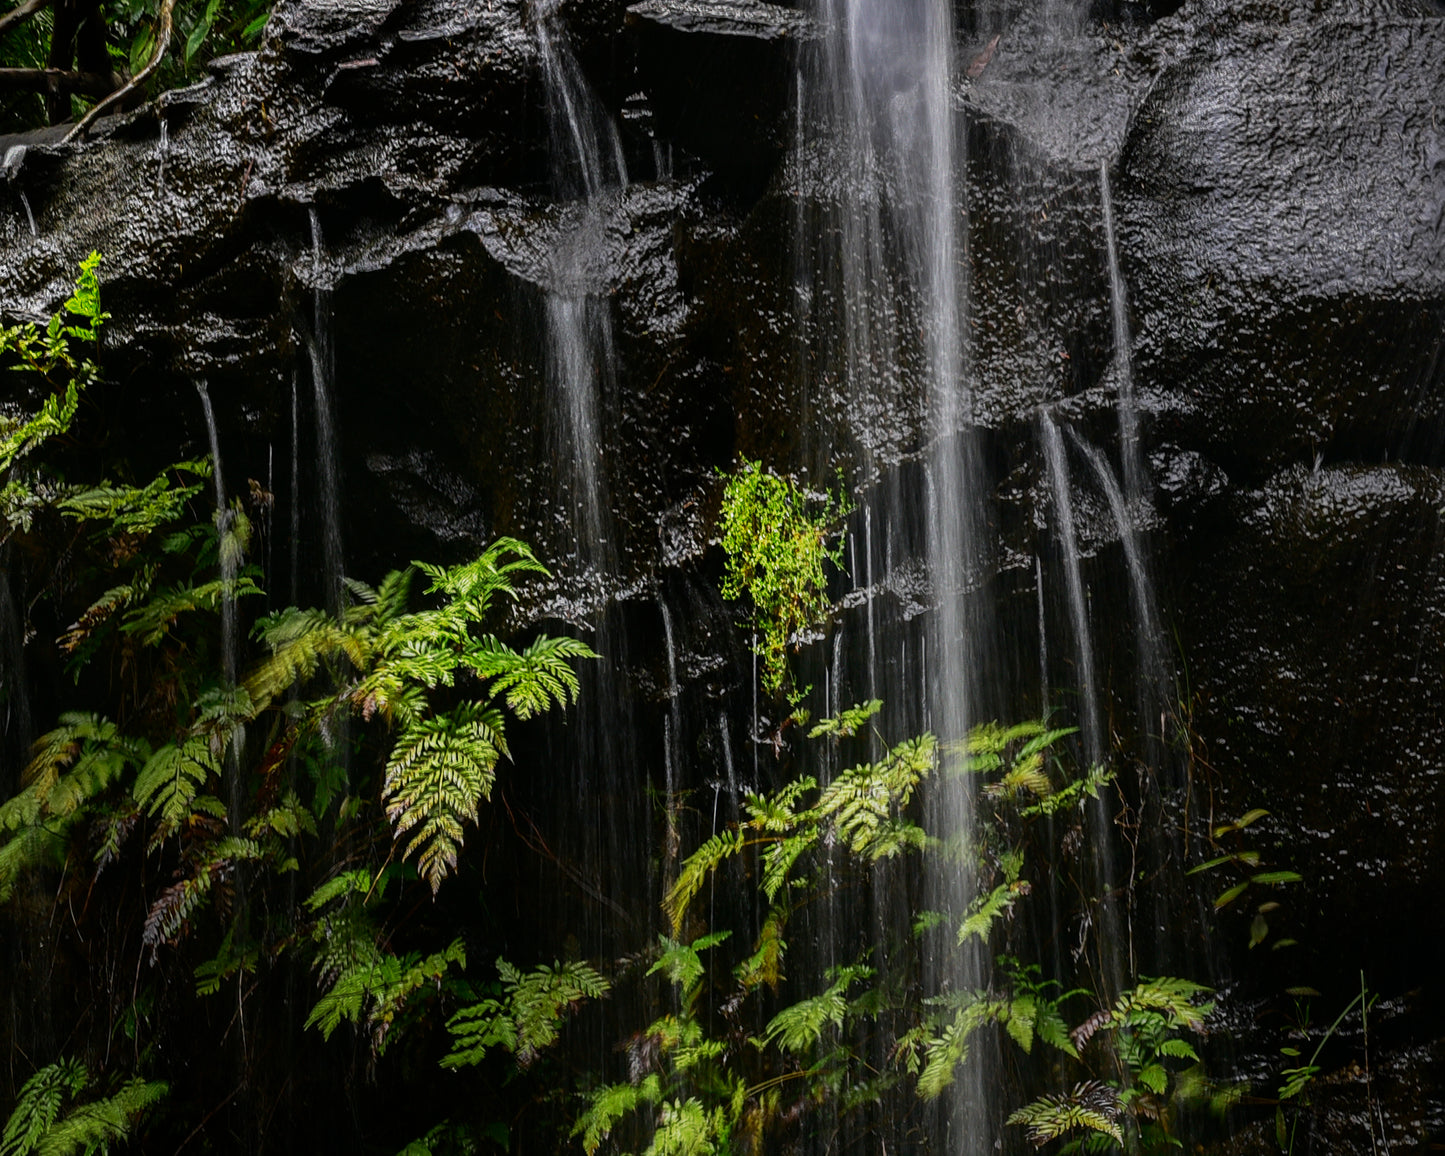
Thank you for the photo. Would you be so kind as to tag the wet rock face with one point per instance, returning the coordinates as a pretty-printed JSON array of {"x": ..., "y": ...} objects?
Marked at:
[
  {"x": 1283, "y": 194},
  {"x": 1279, "y": 188}
]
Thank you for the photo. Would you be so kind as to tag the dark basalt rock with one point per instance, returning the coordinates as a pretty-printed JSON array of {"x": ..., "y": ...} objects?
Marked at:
[
  {"x": 1279, "y": 188},
  {"x": 1283, "y": 214}
]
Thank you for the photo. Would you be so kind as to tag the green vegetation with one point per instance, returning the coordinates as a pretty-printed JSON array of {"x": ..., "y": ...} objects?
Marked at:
[
  {"x": 309, "y": 813},
  {"x": 777, "y": 538},
  {"x": 278, "y": 863},
  {"x": 37, "y": 1125},
  {"x": 65, "y": 56}
]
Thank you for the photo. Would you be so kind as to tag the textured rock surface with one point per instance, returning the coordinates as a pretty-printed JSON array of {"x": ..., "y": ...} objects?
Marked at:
[{"x": 1279, "y": 184}]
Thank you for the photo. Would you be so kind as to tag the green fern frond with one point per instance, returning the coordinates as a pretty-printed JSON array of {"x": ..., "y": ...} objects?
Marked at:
[
  {"x": 779, "y": 859},
  {"x": 533, "y": 680},
  {"x": 1174, "y": 998},
  {"x": 30, "y": 847},
  {"x": 438, "y": 773},
  {"x": 847, "y": 723},
  {"x": 798, "y": 1028},
  {"x": 989, "y": 908},
  {"x": 151, "y": 623},
  {"x": 138, "y": 510},
  {"x": 342, "y": 884},
  {"x": 300, "y": 641},
  {"x": 1089, "y": 1106},
  {"x": 36, "y": 1126},
  {"x": 38, "y": 1105},
  {"x": 776, "y": 813},
  {"x": 687, "y": 1128},
  {"x": 1071, "y": 794},
  {"x": 173, "y": 777},
  {"x": 609, "y": 1104},
  {"x": 527, "y": 1021},
  {"x": 170, "y": 914},
  {"x": 375, "y": 992},
  {"x": 765, "y": 965},
  {"x": 696, "y": 869},
  {"x": 682, "y": 963},
  {"x": 93, "y": 1127}
]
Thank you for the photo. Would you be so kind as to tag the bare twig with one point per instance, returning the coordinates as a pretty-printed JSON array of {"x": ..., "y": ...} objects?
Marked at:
[
  {"x": 23, "y": 12},
  {"x": 163, "y": 42}
]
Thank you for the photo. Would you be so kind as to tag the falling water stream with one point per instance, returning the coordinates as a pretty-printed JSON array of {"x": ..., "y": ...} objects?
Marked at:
[
  {"x": 1056, "y": 462},
  {"x": 230, "y": 556},
  {"x": 588, "y": 175},
  {"x": 323, "y": 385}
]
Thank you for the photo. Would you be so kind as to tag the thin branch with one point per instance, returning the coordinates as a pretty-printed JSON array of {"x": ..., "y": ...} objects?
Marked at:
[
  {"x": 23, "y": 12},
  {"x": 58, "y": 80},
  {"x": 163, "y": 42}
]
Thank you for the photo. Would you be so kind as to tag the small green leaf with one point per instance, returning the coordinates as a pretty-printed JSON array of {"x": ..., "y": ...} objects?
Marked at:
[
  {"x": 1225, "y": 898},
  {"x": 1278, "y": 877}
]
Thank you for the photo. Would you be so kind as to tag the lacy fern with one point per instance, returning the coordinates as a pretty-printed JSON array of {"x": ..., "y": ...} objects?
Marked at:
[{"x": 37, "y": 1126}]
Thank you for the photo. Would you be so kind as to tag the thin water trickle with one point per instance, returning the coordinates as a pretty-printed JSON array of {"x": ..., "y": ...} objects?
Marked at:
[
  {"x": 1044, "y": 695},
  {"x": 17, "y": 731},
  {"x": 323, "y": 384},
  {"x": 588, "y": 176},
  {"x": 163, "y": 147},
  {"x": 1148, "y": 634},
  {"x": 674, "y": 705},
  {"x": 229, "y": 553},
  {"x": 1088, "y": 686},
  {"x": 1135, "y": 478},
  {"x": 295, "y": 575},
  {"x": 725, "y": 737},
  {"x": 29, "y": 213}
]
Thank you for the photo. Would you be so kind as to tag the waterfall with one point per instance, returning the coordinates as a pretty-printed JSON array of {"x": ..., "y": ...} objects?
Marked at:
[
  {"x": 588, "y": 174},
  {"x": 163, "y": 147},
  {"x": 1088, "y": 681},
  {"x": 1135, "y": 483},
  {"x": 673, "y": 726},
  {"x": 323, "y": 384},
  {"x": 894, "y": 245},
  {"x": 1148, "y": 635},
  {"x": 604, "y": 829},
  {"x": 229, "y": 554},
  {"x": 1130, "y": 506},
  {"x": 10, "y": 167},
  {"x": 295, "y": 575}
]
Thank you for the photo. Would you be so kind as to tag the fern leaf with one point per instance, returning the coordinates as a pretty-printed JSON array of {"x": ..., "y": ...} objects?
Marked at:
[
  {"x": 800, "y": 1027},
  {"x": 534, "y": 679},
  {"x": 988, "y": 909},
  {"x": 608, "y": 1105},
  {"x": 172, "y": 778},
  {"x": 776, "y": 813},
  {"x": 686, "y": 1128},
  {"x": 439, "y": 771},
  {"x": 526, "y": 1022},
  {"x": 1173, "y": 997},
  {"x": 696, "y": 869},
  {"x": 94, "y": 1126},
  {"x": 300, "y": 640},
  {"x": 170, "y": 913},
  {"x": 779, "y": 859},
  {"x": 765, "y": 965},
  {"x": 38, "y": 1105},
  {"x": 1090, "y": 1106},
  {"x": 847, "y": 723},
  {"x": 682, "y": 963}
]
